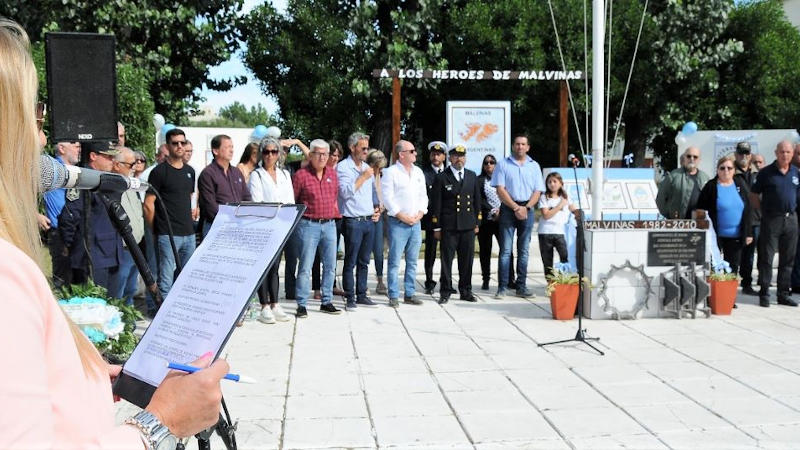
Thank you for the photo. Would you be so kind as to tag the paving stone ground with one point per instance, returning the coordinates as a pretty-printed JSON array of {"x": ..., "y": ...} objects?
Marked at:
[{"x": 472, "y": 376}]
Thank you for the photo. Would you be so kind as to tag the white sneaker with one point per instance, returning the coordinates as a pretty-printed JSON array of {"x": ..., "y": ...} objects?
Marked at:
[
  {"x": 266, "y": 315},
  {"x": 279, "y": 314}
]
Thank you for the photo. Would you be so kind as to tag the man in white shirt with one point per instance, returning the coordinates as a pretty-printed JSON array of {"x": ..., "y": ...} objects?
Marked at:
[{"x": 406, "y": 199}]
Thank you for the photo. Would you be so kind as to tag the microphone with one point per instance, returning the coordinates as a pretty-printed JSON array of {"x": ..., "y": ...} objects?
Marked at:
[
  {"x": 573, "y": 159},
  {"x": 54, "y": 175}
]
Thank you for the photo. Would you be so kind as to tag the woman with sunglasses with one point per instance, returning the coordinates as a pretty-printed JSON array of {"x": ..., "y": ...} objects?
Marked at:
[
  {"x": 270, "y": 183},
  {"x": 725, "y": 197},
  {"x": 490, "y": 211}
]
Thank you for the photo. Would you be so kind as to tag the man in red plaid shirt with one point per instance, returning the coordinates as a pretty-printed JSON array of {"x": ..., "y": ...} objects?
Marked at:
[{"x": 317, "y": 187}]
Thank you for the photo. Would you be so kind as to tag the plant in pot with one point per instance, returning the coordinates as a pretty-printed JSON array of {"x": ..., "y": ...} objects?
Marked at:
[
  {"x": 562, "y": 287},
  {"x": 724, "y": 284},
  {"x": 109, "y": 323}
]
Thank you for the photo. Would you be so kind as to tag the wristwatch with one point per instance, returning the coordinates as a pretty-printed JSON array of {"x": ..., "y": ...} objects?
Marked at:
[{"x": 156, "y": 435}]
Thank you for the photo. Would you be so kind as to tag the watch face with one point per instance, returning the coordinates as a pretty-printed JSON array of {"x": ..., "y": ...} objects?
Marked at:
[{"x": 169, "y": 442}]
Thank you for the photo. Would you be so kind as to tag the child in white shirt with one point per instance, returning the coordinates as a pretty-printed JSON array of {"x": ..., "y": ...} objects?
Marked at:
[{"x": 555, "y": 207}]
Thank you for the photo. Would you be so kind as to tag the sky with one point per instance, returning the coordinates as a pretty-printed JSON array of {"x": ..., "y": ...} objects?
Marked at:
[{"x": 250, "y": 93}]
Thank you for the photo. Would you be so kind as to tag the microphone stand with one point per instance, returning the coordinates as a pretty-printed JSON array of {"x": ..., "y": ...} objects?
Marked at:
[{"x": 580, "y": 248}]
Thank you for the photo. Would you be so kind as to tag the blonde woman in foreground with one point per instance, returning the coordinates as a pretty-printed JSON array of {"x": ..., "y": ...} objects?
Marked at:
[{"x": 55, "y": 390}]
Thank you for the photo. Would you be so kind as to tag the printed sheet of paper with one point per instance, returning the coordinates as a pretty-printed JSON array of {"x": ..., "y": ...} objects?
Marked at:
[{"x": 212, "y": 289}]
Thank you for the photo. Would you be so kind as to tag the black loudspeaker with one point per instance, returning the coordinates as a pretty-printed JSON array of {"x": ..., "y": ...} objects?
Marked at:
[{"x": 82, "y": 86}]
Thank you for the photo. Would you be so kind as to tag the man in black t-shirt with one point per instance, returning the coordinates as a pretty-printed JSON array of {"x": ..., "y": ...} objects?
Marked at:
[{"x": 174, "y": 182}]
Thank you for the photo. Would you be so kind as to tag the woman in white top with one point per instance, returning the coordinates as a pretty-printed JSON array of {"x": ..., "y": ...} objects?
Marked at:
[
  {"x": 270, "y": 183},
  {"x": 555, "y": 207}
]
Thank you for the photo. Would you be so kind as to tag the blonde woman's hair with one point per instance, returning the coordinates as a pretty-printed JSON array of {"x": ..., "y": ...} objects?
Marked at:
[{"x": 19, "y": 162}]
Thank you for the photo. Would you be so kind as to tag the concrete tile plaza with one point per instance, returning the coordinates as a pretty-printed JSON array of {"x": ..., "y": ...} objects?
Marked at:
[{"x": 471, "y": 376}]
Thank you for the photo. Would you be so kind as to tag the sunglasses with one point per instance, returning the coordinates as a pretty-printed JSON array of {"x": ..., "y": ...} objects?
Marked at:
[
  {"x": 140, "y": 161},
  {"x": 726, "y": 168},
  {"x": 693, "y": 156},
  {"x": 413, "y": 150},
  {"x": 489, "y": 163},
  {"x": 271, "y": 152},
  {"x": 177, "y": 143}
]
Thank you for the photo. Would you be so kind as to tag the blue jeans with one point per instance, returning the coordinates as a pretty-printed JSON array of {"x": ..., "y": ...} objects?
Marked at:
[
  {"x": 166, "y": 264},
  {"x": 508, "y": 225},
  {"x": 404, "y": 240},
  {"x": 357, "y": 248},
  {"x": 312, "y": 235},
  {"x": 128, "y": 278},
  {"x": 377, "y": 245}
]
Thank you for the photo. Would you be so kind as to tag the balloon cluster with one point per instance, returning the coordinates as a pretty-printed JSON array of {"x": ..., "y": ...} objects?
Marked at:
[
  {"x": 689, "y": 128},
  {"x": 261, "y": 131}
]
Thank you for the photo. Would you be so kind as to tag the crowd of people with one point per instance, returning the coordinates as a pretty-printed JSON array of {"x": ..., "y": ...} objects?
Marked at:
[{"x": 752, "y": 206}]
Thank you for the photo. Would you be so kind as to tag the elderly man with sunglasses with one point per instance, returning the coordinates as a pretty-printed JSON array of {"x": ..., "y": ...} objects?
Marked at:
[{"x": 680, "y": 189}]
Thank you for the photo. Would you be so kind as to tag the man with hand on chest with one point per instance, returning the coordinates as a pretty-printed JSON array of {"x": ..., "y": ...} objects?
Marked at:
[{"x": 455, "y": 216}]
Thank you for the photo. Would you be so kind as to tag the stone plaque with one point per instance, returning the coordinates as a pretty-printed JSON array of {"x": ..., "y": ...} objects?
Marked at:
[{"x": 666, "y": 248}]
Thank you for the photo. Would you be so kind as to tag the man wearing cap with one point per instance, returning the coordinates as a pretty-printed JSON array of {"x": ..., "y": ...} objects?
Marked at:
[
  {"x": 519, "y": 183},
  {"x": 436, "y": 150},
  {"x": 775, "y": 194},
  {"x": 747, "y": 172},
  {"x": 679, "y": 190},
  {"x": 101, "y": 263},
  {"x": 455, "y": 216}
]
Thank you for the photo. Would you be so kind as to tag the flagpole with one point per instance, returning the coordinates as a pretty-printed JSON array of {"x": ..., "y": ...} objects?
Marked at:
[{"x": 598, "y": 119}]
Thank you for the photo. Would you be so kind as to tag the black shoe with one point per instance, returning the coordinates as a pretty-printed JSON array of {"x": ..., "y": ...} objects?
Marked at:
[
  {"x": 412, "y": 301},
  {"x": 735, "y": 306},
  {"x": 787, "y": 302},
  {"x": 329, "y": 308},
  {"x": 763, "y": 301},
  {"x": 512, "y": 285},
  {"x": 468, "y": 297},
  {"x": 366, "y": 301},
  {"x": 485, "y": 285},
  {"x": 351, "y": 306},
  {"x": 429, "y": 286},
  {"x": 747, "y": 290},
  {"x": 444, "y": 299},
  {"x": 301, "y": 312}
]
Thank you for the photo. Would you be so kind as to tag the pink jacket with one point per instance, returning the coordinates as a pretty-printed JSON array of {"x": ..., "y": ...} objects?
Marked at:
[{"x": 46, "y": 400}]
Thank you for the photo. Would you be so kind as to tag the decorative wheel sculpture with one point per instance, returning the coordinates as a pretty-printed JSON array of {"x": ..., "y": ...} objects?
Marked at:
[{"x": 641, "y": 303}]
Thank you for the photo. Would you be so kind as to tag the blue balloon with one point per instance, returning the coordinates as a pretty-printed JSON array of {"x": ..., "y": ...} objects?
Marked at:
[
  {"x": 689, "y": 128},
  {"x": 259, "y": 132},
  {"x": 166, "y": 128}
]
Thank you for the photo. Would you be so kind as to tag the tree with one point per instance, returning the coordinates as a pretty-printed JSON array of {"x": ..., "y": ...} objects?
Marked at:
[
  {"x": 236, "y": 115},
  {"x": 318, "y": 58},
  {"x": 174, "y": 43}
]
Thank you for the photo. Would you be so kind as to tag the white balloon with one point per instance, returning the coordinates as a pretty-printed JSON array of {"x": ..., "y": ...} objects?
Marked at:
[
  {"x": 681, "y": 140},
  {"x": 158, "y": 121},
  {"x": 273, "y": 132}
]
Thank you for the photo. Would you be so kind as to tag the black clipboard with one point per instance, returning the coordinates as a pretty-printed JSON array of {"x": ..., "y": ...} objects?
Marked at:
[{"x": 140, "y": 392}]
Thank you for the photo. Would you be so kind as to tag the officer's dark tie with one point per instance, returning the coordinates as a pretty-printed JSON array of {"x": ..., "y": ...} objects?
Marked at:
[{"x": 460, "y": 178}]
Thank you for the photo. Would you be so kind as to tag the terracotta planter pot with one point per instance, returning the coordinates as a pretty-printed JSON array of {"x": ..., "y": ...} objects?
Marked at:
[
  {"x": 563, "y": 301},
  {"x": 723, "y": 295}
]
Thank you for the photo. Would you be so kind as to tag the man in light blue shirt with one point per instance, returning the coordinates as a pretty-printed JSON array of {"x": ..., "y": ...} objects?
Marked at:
[
  {"x": 356, "y": 185},
  {"x": 519, "y": 183},
  {"x": 67, "y": 153}
]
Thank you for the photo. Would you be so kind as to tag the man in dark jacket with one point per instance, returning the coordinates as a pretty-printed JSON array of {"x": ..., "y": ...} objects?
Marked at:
[
  {"x": 746, "y": 172},
  {"x": 679, "y": 190},
  {"x": 455, "y": 216},
  {"x": 104, "y": 244},
  {"x": 436, "y": 151}
]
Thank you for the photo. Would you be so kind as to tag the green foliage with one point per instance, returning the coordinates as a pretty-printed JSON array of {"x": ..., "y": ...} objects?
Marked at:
[
  {"x": 236, "y": 115},
  {"x": 175, "y": 43},
  {"x": 136, "y": 108}
]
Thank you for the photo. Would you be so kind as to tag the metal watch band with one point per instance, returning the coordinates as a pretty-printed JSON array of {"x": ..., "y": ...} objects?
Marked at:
[{"x": 155, "y": 434}]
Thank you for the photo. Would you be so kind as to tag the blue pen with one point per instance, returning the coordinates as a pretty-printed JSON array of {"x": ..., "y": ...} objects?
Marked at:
[{"x": 230, "y": 376}]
